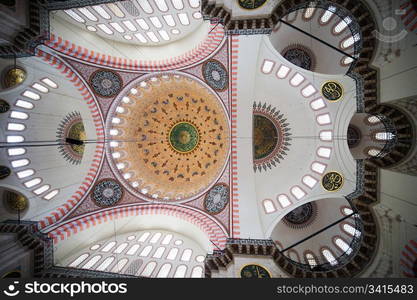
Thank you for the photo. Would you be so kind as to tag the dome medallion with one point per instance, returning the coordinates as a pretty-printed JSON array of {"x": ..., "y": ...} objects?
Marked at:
[{"x": 169, "y": 137}]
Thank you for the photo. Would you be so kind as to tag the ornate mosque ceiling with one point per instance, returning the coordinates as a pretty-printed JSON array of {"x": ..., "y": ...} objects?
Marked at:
[{"x": 225, "y": 137}]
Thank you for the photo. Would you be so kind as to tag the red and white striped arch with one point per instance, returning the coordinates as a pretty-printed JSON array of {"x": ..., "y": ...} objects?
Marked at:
[
  {"x": 212, "y": 42},
  {"x": 86, "y": 182},
  {"x": 215, "y": 233}
]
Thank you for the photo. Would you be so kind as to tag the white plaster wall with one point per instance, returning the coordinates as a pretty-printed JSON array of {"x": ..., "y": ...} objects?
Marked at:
[{"x": 42, "y": 125}]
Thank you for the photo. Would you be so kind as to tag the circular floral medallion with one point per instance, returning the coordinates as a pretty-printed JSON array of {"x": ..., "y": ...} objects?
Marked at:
[
  {"x": 179, "y": 130},
  {"x": 106, "y": 83},
  {"x": 332, "y": 91},
  {"x": 215, "y": 74},
  {"x": 302, "y": 216},
  {"x": 71, "y": 127},
  {"x": 332, "y": 181},
  {"x": 4, "y": 106},
  {"x": 271, "y": 136},
  {"x": 107, "y": 193},
  {"x": 184, "y": 137},
  {"x": 299, "y": 56},
  {"x": 14, "y": 76},
  {"x": 4, "y": 172},
  {"x": 251, "y": 4},
  {"x": 254, "y": 271},
  {"x": 216, "y": 199}
]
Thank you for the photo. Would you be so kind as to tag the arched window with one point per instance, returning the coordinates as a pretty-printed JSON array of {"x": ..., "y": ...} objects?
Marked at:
[
  {"x": 120, "y": 248},
  {"x": 108, "y": 247},
  {"x": 373, "y": 119},
  {"x": 342, "y": 25},
  {"x": 133, "y": 249},
  {"x": 105, "y": 264},
  {"x": 159, "y": 252},
  {"x": 144, "y": 237},
  {"x": 346, "y": 210},
  {"x": 328, "y": 255},
  {"x": 155, "y": 238},
  {"x": 146, "y": 251},
  {"x": 310, "y": 259},
  {"x": 384, "y": 136},
  {"x": 284, "y": 201},
  {"x": 118, "y": 267},
  {"x": 342, "y": 245},
  {"x": 308, "y": 13},
  {"x": 172, "y": 253},
  {"x": 78, "y": 260},
  {"x": 350, "y": 230},
  {"x": 373, "y": 152},
  {"x": 167, "y": 239},
  {"x": 90, "y": 264},
  {"x": 180, "y": 271},
  {"x": 269, "y": 206},
  {"x": 197, "y": 272},
  {"x": 186, "y": 255},
  {"x": 327, "y": 15},
  {"x": 95, "y": 247},
  {"x": 148, "y": 270},
  {"x": 164, "y": 271}
]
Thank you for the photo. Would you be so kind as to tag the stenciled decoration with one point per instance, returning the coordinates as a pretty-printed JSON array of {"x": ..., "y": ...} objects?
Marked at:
[
  {"x": 14, "y": 76},
  {"x": 4, "y": 106},
  {"x": 72, "y": 127},
  {"x": 217, "y": 198},
  {"x": 299, "y": 56},
  {"x": 215, "y": 75},
  {"x": 254, "y": 271},
  {"x": 332, "y": 91},
  {"x": 107, "y": 192},
  {"x": 251, "y": 4},
  {"x": 15, "y": 202},
  {"x": 4, "y": 172},
  {"x": 184, "y": 137},
  {"x": 332, "y": 181},
  {"x": 106, "y": 83},
  {"x": 181, "y": 130},
  {"x": 271, "y": 136},
  {"x": 301, "y": 216}
]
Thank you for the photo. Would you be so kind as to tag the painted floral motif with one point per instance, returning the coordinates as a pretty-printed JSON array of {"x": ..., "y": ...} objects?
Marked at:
[
  {"x": 215, "y": 74},
  {"x": 107, "y": 193},
  {"x": 217, "y": 198},
  {"x": 271, "y": 136},
  {"x": 71, "y": 127},
  {"x": 106, "y": 83},
  {"x": 302, "y": 216}
]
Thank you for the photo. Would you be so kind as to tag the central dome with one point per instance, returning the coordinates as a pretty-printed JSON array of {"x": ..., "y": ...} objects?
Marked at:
[{"x": 170, "y": 138}]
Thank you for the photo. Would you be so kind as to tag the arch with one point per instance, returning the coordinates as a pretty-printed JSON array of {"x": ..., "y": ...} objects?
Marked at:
[
  {"x": 212, "y": 229},
  {"x": 87, "y": 182},
  {"x": 206, "y": 47}
]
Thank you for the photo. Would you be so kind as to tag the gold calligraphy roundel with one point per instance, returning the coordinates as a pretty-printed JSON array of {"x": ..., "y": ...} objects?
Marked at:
[
  {"x": 332, "y": 91},
  {"x": 332, "y": 181}
]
